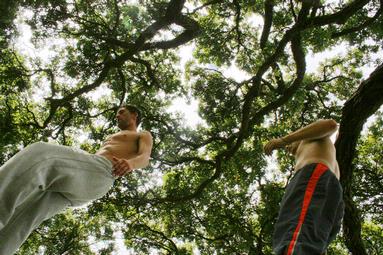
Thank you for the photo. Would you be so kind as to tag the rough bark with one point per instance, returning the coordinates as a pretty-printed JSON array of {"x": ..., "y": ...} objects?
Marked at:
[{"x": 364, "y": 102}]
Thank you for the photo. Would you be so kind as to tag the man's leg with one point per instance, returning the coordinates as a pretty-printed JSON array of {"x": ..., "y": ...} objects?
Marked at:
[
  {"x": 337, "y": 221},
  {"x": 45, "y": 168},
  {"x": 79, "y": 176},
  {"x": 28, "y": 217},
  {"x": 299, "y": 229},
  {"x": 17, "y": 183}
]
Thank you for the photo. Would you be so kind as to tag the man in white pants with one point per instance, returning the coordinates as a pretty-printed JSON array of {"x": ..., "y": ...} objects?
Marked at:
[{"x": 43, "y": 179}]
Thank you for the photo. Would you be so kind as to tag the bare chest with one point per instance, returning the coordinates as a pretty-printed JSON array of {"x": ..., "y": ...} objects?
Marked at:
[{"x": 125, "y": 140}]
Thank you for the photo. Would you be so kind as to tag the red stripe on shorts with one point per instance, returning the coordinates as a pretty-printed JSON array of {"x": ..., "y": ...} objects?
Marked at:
[{"x": 319, "y": 170}]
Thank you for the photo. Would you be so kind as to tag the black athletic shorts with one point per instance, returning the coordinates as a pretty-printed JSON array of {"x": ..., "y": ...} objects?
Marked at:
[{"x": 311, "y": 212}]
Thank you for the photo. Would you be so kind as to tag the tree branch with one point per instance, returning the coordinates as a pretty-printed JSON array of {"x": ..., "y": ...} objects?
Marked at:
[
  {"x": 362, "y": 26},
  {"x": 192, "y": 30},
  {"x": 365, "y": 102},
  {"x": 268, "y": 17},
  {"x": 339, "y": 17},
  {"x": 173, "y": 15}
]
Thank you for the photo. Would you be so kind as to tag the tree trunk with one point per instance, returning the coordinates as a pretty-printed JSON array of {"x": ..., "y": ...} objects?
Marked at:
[{"x": 365, "y": 102}]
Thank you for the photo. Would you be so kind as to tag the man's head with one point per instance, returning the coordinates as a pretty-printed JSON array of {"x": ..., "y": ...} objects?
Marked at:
[{"x": 128, "y": 117}]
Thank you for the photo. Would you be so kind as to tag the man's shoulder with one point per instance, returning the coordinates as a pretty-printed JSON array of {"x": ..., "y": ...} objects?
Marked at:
[
  {"x": 145, "y": 137},
  {"x": 145, "y": 133}
]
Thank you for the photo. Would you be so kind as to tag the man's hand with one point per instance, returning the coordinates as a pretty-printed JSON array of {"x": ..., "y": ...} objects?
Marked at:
[
  {"x": 273, "y": 144},
  {"x": 121, "y": 166}
]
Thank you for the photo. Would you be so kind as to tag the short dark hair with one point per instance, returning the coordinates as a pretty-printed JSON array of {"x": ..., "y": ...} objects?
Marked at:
[{"x": 134, "y": 109}]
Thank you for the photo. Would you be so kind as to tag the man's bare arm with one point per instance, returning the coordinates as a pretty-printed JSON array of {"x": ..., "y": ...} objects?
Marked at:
[
  {"x": 123, "y": 166},
  {"x": 144, "y": 150},
  {"x": 316, "y": 130}
]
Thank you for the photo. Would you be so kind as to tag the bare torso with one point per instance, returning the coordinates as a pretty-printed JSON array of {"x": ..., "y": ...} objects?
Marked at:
[
  {"x": 317, "y": 151},
  {"x": 123, "y": 144}
]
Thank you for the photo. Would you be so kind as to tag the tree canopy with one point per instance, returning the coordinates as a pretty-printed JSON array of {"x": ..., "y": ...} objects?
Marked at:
[{"x": 209, "y": 188}]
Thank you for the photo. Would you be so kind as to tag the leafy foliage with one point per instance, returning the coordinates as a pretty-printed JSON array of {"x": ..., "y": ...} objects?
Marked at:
[{"x": 209, "y": 187}]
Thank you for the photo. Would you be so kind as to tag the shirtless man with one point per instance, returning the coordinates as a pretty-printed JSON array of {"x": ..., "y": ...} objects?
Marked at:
[
  {"x": 312, "y": 208},
  {"x": 127, "y": 149},
  {"x": 43, "y": 179}
]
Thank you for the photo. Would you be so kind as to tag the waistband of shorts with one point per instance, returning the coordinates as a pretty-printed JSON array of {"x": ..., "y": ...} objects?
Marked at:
[
  {"x": 106, "y": 162},
  {"x": 312, "y": 166},
  {"x": 309, "y": 167}
]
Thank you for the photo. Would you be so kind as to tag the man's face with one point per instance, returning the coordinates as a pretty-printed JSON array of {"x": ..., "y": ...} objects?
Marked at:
[{"x": 124, "y": 117}]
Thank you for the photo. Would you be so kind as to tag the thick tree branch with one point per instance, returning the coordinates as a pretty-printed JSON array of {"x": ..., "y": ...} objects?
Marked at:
[
  {"x": 339, "y": 17},
  {"x": 299, "y": 57},
  {"x": 254, "y": 91},
  {"x": 268, "y": 20},
  {"x": 360, "y": 27},
  {"x": 238, "y": 22},
  {"x": 365, "y": 102},
  {"x": 117, "y": 18},
  {"x": 192, "y": 30}
]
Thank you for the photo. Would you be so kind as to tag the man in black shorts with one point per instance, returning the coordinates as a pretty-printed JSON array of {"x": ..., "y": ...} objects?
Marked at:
[{"x": 312, "y": 207}]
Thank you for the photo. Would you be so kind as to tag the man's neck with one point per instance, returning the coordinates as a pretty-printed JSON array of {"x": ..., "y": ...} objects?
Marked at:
[{"x": 130, "y": 128}]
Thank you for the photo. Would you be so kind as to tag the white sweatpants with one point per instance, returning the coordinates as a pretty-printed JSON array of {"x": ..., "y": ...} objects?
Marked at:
[{"x": 42, "y": 180}]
